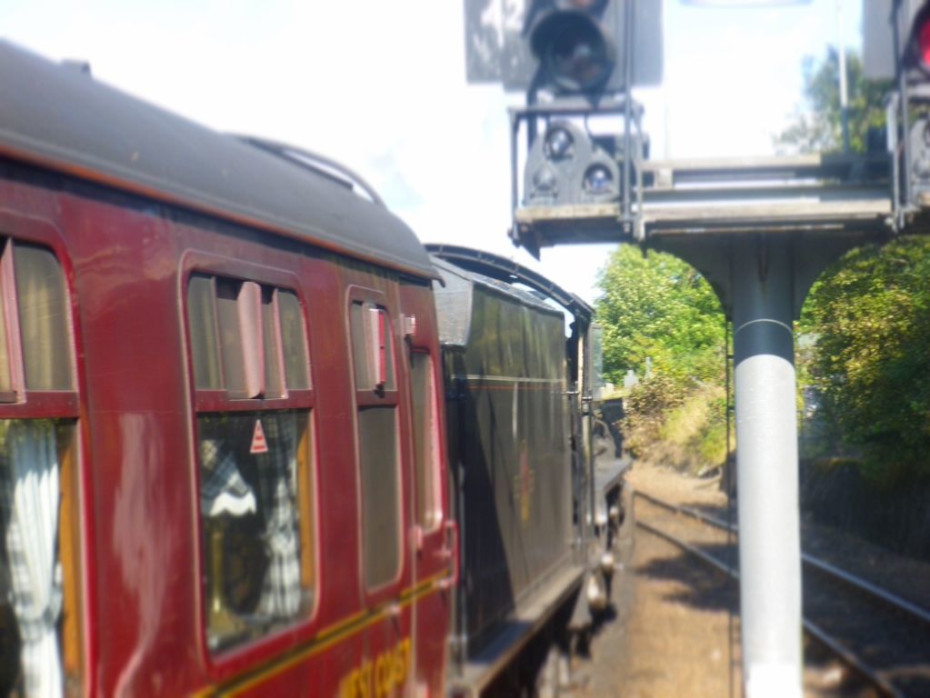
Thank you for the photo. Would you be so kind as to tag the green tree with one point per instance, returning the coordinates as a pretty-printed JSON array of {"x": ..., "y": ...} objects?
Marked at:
[
  {"x": 657, "y": 307},
  {"x": 870, "y": 314},
  {"x": 817, "y": 127}
]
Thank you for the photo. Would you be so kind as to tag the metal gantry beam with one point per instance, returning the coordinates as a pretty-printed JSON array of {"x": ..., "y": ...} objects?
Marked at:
[{"x": 823, "y": 193}]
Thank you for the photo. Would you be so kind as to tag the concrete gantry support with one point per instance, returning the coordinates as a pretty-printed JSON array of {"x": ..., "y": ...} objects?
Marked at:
[
  {"x": 762, "y": 284},
  {"x": 762, "y": 280}
]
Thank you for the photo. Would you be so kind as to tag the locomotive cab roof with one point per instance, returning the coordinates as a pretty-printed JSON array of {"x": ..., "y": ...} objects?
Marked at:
[
  {"x": 455, "y": 297},
  {"x": 463, "y": 268},
  {"x": 61, "y": 119}
]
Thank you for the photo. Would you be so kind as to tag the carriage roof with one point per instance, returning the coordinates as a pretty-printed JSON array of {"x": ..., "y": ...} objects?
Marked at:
[{"x": 59, "y": 118}]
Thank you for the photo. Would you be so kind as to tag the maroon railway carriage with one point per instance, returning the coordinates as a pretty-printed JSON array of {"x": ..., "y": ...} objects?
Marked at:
[
  {"x": 221, "y": 429},
  {"x": 223, "y": 448}
]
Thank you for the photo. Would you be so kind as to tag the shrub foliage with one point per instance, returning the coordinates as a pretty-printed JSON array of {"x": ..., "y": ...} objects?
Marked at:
[
  {"x": 662, "y": 320},
  {"x": 870, "y": 315}
]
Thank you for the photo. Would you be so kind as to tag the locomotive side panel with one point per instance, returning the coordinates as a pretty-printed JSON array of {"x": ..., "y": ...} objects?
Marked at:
[
  {"x": 510, "y": 398},
  {"x": 506, "y": 380}
]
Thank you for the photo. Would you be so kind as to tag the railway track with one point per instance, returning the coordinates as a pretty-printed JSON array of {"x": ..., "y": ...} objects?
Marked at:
[{"x": 880, "y": 636}]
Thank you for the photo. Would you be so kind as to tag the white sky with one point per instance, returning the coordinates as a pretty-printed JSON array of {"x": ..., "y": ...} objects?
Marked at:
[{"x": 380, "y": 86}]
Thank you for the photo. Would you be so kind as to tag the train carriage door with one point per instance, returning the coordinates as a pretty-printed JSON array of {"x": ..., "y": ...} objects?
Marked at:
[
  {"x": 254, "y": 414},
  {"x": 383, "y": 470},
  {"x": 433, "y": 538}
]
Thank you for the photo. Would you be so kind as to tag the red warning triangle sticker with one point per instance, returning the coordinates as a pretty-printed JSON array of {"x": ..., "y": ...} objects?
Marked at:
[{"x": 259, "y": 445}]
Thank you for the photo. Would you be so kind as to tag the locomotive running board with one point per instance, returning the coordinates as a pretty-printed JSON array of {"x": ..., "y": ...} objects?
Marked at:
[{"x": 516, "y": 632}]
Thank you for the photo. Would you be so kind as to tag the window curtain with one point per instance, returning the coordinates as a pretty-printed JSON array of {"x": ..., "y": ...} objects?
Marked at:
[
  {"x": 30, "y": 502},
  {"x": 234, "y": 480},
  {"x": 222, "y": 489},
  {"x": 281, "y": 591}
]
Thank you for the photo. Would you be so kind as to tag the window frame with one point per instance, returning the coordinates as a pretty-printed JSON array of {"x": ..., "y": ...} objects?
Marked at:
[
  {"x": 388, "y": 398},
  {"x": 434, "y": 460},
  {"x": 210, "y": 401},
  {"x": 22, "y": 403},
  {"x": 221, "y": 399}
]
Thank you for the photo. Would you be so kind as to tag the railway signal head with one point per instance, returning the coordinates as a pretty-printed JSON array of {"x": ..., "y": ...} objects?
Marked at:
[
  {"x": 896, "y": 44},
  {"x": 897, "y": 32},
  {"x": 915, "y": 53},
  {"x": 569, "y": 166},
  {"x": 575, "y": 45},
  {"x": 566, "y": 47},
  {"x": 915, "y": 61}
]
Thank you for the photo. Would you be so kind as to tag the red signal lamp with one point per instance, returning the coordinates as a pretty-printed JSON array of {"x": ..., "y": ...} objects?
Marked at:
[{"x": 923, "y": 43}]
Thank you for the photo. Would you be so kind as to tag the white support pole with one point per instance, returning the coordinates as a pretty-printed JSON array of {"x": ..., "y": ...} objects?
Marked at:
[{"x": 767, "y": 466}]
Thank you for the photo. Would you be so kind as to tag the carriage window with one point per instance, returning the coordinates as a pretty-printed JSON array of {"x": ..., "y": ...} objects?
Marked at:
[
  {"x": 293, "y": 340},
  {"x": 376, "y": 398},
  {"x": 238, "y": 306},
  {"x": 43, "y": 319},
  {"x": 250, "y": 507},
  {"x": 201, "y": 309},
  {"x": 40, "y": 631},
  {"x": 425, "y": 434},
  {"x": 372, "y": 348},
  {"x": 257, "y": 501},
  {"x": 274, "y": 383},
  {"x": 380, "y": 494}
]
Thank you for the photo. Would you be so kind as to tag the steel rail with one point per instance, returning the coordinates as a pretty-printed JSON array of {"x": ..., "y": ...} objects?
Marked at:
[
  {"x": 708, "y": 559},
  {"x": 861, "y": 585},
  {"x": 851, "y": 660},
  {"x": 693, "y": 513},
  {"x": 842, "y": 652}
]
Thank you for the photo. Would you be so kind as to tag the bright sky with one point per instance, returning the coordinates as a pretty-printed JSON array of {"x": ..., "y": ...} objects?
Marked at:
[{"x": 380, "y": 86}]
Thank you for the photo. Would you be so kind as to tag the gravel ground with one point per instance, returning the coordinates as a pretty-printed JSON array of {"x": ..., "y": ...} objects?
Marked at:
[
  {"x": 676, "y": 627},
  {"x": 671, "y": 636}
]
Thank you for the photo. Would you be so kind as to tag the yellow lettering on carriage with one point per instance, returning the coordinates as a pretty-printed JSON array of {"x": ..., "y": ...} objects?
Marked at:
[{"x": 383, "y": 677}]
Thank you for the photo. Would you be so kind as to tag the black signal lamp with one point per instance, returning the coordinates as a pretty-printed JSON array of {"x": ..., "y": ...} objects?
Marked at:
[
  {"x": 573, "y": 51},
  {"x": 582, "y": 48},
  {"x": 546, "y": 182},
  {"x": 577, "y": 45},
  {"x": 558, "y": 143},
  {"x": 598, "y": 180}
]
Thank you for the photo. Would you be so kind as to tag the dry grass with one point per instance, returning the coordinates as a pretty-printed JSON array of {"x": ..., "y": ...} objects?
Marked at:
[{"x": 690, "y": 437}]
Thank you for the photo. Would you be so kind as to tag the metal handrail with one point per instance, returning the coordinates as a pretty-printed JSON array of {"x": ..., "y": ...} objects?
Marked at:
[{"x": 320, "y": 164}]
